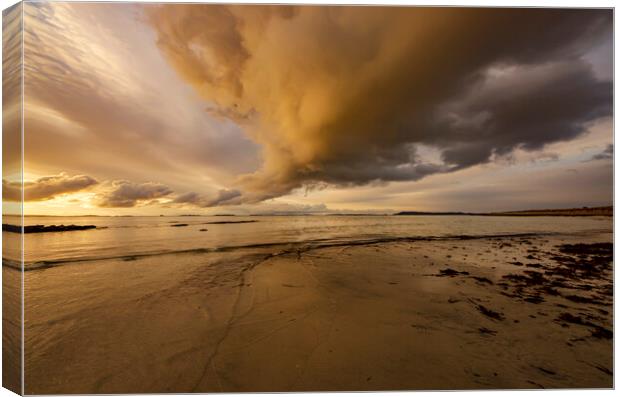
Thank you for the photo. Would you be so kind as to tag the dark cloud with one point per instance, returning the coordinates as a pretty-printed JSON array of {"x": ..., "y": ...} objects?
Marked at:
[
  {"x": 46, "y": 188},
  {"x": 523, "y": 107},
  {"x": 345, "y": 95},
  {"x": 606, "y": 154},
  {"x": 130, "y": 194}
]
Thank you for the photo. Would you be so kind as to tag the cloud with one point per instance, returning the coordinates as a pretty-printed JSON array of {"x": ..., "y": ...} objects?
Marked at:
[
  {"x": 222, "y": 197},
  {"x": 344, "y": 95},
  {"x": 557, "y": 187},
  {"x": 110, "y": 194},
  {"x": 46, "y": 188},
  {"x": 97, "y": 82},
  {"x": 129, "y": 194},
  {"x": 606, "y": 154},
  {"x": 493, "y": 187},
  {"x": 524, "y": 107},
  {"x": 11, "y": 91}
]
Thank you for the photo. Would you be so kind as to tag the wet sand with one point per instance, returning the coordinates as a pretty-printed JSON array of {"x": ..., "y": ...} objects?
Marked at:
[{"x": 520, "y": 312}]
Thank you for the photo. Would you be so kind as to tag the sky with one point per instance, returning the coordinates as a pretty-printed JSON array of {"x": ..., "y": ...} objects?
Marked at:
[{"x": 148, "y": 109}]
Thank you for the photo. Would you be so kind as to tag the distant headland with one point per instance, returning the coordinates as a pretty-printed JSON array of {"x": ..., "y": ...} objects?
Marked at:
[{"x": 584, "y": 211}]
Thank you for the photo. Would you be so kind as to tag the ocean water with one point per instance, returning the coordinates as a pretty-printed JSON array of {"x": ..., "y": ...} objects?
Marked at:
[{"x": 124, "y": 237}]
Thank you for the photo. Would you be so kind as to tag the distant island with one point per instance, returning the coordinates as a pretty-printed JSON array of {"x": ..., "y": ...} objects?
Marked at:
[{"x": 584, "y": 211}]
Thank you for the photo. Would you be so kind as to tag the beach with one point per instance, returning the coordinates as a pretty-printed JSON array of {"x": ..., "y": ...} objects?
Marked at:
[{"x": 525, "y": 310}]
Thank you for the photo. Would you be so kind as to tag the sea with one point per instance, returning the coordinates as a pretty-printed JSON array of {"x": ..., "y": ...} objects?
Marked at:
[{"x": 142, "y": 236}]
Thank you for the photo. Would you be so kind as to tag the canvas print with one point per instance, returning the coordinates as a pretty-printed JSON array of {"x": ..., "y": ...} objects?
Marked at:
[{"x": 281, "y": 198}]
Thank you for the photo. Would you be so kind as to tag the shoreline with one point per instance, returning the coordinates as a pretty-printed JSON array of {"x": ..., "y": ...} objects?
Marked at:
[
  {"x": 286, "y": 247},
  {"x": 405, "y": 315}
]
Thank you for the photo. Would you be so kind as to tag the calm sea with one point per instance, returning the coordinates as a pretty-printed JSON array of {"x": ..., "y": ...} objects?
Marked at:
[{"x": 118, "y": 237}]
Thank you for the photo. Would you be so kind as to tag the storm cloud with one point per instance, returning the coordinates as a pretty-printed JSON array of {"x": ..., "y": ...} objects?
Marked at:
[
  {"x": 46, "y": 188},
  {"x": 347, "y": 95}
]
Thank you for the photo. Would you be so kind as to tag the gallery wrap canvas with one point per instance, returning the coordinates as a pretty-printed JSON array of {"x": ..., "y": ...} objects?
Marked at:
[{"x": 203, "y": 198}]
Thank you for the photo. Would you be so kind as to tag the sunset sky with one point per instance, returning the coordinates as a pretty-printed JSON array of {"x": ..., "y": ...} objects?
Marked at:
[{"x": 177, "y": 109}]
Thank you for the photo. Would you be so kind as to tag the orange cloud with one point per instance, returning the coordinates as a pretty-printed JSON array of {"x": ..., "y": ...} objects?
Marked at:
[{"x": 344, "y": 95}]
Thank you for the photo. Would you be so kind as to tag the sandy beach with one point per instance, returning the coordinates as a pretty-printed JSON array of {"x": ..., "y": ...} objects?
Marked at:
[{"x": 454, "y": 313}]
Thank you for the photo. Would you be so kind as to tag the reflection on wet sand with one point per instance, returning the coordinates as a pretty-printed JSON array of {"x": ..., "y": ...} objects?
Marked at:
[{"x": 461, "y": 313}]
